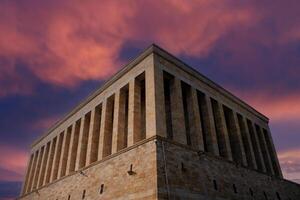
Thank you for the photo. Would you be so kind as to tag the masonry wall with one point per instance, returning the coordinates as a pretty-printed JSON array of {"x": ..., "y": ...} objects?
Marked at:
[
  {"x": 111, "y": 174},
  {"x": 184, "y": 173}
]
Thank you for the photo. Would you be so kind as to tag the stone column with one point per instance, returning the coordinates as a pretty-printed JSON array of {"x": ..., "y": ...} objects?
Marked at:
[
  {"x": 251, "y": 151},
  {"x": 228, "y": 153},
  {"x": 29, "y": 166},
  {"x": 155, "y": 102},
  {"x": 119, "y": 121},
  {"x": 260, "y": 155},
  {"x": 107, "y": 127},
  {"x": 60, "y": 162},
  {"x": 239, "y": 139},
  {"x": 79, "y": 147},
  {"x": 50, "y": 161},
  {"x": 102, "y": 127},
  {"x": 116, "y": 122},
  {"x": 92, "y": 133},
  {"x": 212, "y": 136},
  {"x": 134, "y": 113},
  {"x": 271, "y": 147},
  {"x": 44, "y": 162},
  {"x": 32, "y": 172},
  {"x": 71, "y": 147},
  {"x": 55, "y": 159},
  {"x": 267, "y": 157},
  {"x": 65, "y": 152},
  {"x": 35, "y": 174},
  {"x": 196, "y": 129},
  {"x": 178, "y": 121}
]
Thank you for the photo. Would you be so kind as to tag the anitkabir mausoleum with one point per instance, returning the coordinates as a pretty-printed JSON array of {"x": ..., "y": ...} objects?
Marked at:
[{"x": 158, "y": 129}]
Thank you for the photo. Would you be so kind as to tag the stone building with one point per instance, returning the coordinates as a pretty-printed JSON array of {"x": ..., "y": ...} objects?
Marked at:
[{"x": 158, "y": 130}]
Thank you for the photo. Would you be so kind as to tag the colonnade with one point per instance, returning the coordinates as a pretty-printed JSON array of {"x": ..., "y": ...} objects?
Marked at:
[
  {"x": 203, "y": 122},
  {"x": 114, "y": 124},
  {"x": 153, "y": 103}
]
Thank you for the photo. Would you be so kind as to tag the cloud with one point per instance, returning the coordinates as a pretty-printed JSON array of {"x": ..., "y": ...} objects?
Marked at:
[
  {"x": 63, "y": 44},
  {"x": 193, "y": 28},
  {"x": 284, "y": 107},
  {"x": 44, "y": 123},
  {"x": 290, "y": 163},
  {"x": 67, "y": 42},
  {"x": 12, "y": 163}
]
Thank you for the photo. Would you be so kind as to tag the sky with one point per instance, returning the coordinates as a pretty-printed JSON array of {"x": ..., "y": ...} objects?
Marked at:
[{"x": 53, "y": 53}]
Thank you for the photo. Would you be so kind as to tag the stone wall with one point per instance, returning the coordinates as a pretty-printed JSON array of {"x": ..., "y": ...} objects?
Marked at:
[
  {"x": 112, "y": 172},
  {"x": 184, "y": 173}
]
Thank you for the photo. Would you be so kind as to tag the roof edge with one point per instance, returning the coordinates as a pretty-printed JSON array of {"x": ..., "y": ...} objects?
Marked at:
[
  {"x": 146, "y": 52},
  {"x": 185, "y": 67},
  {"x": 153, "y": 48}
]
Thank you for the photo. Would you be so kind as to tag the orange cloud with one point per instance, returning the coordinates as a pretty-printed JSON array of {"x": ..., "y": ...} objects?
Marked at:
[{"x": 14, "y": 161}]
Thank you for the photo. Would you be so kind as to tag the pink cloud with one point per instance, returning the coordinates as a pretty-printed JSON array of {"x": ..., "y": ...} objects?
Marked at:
[
  {"x": 290, "y": 163},
  {"x": 193, "y": 28},
  {"x": 12, "y": 160},
  {"x": 67, "y": 42},
  {"x": 64, "y": 44},
  {"x": 277, "y": 108},
  {"x": 44, "y": 123}
]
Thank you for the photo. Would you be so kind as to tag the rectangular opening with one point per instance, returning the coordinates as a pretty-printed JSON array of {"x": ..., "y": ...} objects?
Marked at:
[
  {"x": 263, "y": 148},
  {"x": 233, "y": 135},
  {"x": 215, "y": 185},
  {"x": 219, "y": 126},
  {"x": 186, "y": 99},
  {"x": 44, "y": 164},
  {"x": 66, "y": 151},
  {"x": 108, "y": 128},
  {"x": 75, "y": 146},
  {"x": 83, "y": 194},
  {"x": 245, "y": 140},
  {"x": 51, "y": 158},
  {"x": 271, "y": 152},
  {"x": 205, "y": 124},
  {"x": 168, "y": 81},
  {"x": 143, "y": 109},
  {"x": 101, "y": 189},
  {"x": 140, "y": 81},
  {"x": 255, "y": 145},
  {"x": 234, "y": 188},
  {"x": 96, "y": 134},
  {"x": 84, "y": 141},
  {"x": 139, "y": 106},
  {"x": 265, "y": 195},
  {"x": 58, "y": 154}
]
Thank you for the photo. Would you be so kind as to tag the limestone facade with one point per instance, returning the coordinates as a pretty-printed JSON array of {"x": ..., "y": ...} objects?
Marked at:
[{"x": 158, "y": 130}]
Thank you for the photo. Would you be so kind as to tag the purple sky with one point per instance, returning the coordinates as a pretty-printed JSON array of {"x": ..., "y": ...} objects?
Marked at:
[{"x": 54, "y": 53}]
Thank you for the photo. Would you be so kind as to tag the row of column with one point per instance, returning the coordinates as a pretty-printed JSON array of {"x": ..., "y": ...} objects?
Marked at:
[
  {"x": 153, "y": 103},
  {"x": 117, "y": 122},
  {"x": 195, "y": 119}
]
